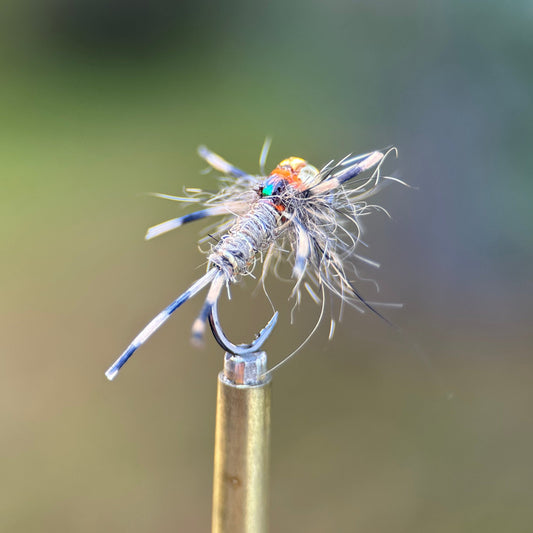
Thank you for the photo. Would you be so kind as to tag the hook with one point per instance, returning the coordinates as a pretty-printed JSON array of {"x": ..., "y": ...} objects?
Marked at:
[{"x": 239, "y": 349}]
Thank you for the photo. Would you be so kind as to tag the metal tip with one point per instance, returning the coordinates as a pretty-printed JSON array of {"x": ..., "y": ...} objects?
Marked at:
[{"x": 249, "y": 369}]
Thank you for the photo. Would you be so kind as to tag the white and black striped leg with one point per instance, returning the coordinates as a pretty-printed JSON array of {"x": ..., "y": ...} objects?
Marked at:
[
  {"x": 264, "y": 154},
  {"x": 198, "y": 327},
  {"x": 157, "y": 322},
  {"x": 302, "y": 253},
  {"x": 356, "y": 166},
  {"x": 220, "y": 164},
  {"x": 174, "y": 223}
]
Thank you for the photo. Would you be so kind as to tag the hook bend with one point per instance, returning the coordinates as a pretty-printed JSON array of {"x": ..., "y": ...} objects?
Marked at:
[{"x": 239, "y": 349}]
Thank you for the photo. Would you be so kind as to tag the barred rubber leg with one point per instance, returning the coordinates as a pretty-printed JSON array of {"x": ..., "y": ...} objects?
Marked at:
[
  {"x": 220, "y": 164},
  {"x": 157, "y": 322},
  {"x": 174, "y": 223},
  {"x": 198, "y": 327},
  {"x": 359, "y": 164}
]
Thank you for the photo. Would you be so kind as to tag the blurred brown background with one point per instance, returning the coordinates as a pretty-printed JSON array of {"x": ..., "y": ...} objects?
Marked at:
[{"x": 102, "y": 101}]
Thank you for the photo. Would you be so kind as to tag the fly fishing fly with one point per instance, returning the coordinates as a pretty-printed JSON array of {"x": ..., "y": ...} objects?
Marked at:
[{"x": 308, "y": 216}]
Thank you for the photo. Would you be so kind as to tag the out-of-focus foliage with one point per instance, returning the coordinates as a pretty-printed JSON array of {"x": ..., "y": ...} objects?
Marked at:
[{"x": 102, "y": 101}]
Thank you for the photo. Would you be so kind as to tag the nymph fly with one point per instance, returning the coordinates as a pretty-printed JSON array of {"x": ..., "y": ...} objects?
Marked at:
[{"x": 298, "y": 212}]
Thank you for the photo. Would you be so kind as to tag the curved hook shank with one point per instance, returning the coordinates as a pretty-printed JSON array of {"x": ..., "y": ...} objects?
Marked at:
[{"x": 239, "y": 349}]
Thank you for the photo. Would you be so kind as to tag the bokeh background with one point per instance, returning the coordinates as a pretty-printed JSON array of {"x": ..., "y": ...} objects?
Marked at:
[{"x": 430, "y": 429}]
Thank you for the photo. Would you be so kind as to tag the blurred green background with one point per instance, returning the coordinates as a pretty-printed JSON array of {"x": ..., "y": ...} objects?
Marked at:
[{"x": 101, "y": 101}]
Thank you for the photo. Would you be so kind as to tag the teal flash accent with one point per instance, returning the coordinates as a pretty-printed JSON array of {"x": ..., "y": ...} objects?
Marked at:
[{"x": 267, "y": 190}]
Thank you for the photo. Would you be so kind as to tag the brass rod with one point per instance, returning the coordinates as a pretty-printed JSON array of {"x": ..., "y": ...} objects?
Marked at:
[{"x": 242, "y": 446}]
